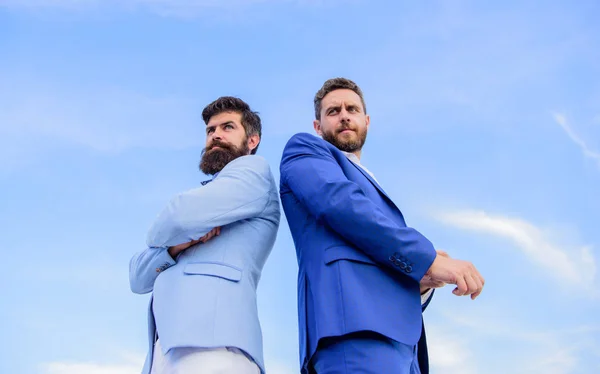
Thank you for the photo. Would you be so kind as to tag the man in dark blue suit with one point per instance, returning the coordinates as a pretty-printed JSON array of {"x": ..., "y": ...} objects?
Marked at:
[{"x": 364, "y": 276}]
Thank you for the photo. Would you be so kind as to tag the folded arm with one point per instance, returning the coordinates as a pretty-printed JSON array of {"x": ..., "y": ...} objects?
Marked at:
[
  {"x": 240, "y": 191},
  {"x": 145, "y": 266},
  {"x": 316, "y": 180}
]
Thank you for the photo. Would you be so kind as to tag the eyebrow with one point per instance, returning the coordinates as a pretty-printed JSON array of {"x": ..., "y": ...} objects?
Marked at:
[
  {"x": 220, "y": 124},
  {"x": 339, "y": 105}
]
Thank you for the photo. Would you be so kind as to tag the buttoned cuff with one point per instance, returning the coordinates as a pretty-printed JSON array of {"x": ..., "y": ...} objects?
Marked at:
[{"x": 164, "y": 260}]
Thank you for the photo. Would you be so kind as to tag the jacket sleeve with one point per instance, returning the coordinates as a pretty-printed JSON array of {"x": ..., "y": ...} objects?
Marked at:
[
  {"x": 145, "y": 266},
  {"x": 315, "y": 178},
  {"x": 240, "y": 191}
]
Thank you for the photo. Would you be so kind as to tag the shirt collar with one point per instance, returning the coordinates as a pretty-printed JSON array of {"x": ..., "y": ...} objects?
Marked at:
[{"x": 352, "y": 157}]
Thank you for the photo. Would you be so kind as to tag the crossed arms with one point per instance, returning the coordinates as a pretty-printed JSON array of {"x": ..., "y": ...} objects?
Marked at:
[{"x": 240, "y": 191}]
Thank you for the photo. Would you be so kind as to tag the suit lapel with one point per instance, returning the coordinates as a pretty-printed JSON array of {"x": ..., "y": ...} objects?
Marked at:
[
  {"x": 373, "y": 182},
  {"x": 369, "y": 178}
]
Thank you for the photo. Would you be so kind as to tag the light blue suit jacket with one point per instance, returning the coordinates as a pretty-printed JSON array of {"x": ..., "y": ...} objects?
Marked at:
[{"x": 207, "y": 296}]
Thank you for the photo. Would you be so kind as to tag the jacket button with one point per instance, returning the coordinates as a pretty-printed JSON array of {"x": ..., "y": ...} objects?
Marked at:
[{"x": 408, "y": 269}]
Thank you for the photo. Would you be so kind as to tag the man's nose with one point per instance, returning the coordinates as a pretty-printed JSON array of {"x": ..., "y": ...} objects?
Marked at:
[
  {"x": 344, "y": 115},
  {"x": 217, "y": 134}
]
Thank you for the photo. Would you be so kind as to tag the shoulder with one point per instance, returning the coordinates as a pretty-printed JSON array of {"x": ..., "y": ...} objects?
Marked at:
[
  {"x": 303, "y": 138},
  {"x": 306, "y": 143}
]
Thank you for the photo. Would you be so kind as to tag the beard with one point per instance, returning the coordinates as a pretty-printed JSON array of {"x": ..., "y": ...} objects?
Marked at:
[
  {"x": 214, "y": 160},
  {"x": 350, "y": 142}
]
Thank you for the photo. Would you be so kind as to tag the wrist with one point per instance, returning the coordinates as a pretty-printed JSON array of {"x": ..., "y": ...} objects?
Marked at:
[{"x": 173, "y": 252}]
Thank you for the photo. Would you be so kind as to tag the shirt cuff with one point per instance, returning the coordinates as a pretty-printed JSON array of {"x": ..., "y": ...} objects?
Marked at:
[{"x": 426, "y": 296}]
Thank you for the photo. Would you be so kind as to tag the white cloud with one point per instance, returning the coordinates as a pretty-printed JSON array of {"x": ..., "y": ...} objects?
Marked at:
[
  {"x": 574, "y": 267},
  {"x": 587, "y": 151},
  {"x": 530, "y": 351},
  {"x": 448, "y": 353},
  {"x": 557, "y": 361},
  {"x": 280, "y": 367},
  {"x": 108, "y": 121},
  {"x": 132, "y": 364},
  {"x": 88, "y": 368}
]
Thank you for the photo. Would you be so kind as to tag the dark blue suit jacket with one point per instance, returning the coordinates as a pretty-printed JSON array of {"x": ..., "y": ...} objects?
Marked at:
[{"x": 359, "y": 264}]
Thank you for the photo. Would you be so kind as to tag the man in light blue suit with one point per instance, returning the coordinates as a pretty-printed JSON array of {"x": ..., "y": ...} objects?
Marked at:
[
  {"x": 364, "y": 276},
  {"x": 205, "y": 254}
]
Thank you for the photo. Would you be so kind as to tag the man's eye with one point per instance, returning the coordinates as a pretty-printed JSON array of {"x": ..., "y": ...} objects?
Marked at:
[
  {"x": 352, "y": 109},
  {"x": 209, "y": 131},
  {"x": 332, "y": 111},
  {"x": 228, "y": 126}
]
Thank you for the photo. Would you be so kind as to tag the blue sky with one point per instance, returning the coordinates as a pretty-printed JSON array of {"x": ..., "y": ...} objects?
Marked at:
[{"x": 485, "y": 129}]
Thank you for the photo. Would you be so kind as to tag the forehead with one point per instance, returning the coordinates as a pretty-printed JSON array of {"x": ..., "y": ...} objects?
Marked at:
[
  {"x": 341, "y": 96},
  {"x": 224, "y": 117}
]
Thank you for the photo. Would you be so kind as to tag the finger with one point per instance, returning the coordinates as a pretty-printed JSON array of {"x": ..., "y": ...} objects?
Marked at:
[
  {"x": 219, "y": 230},
  {"x": 442, "y": 253},
  {"x": 480, "y": 282},
  {"x": 209, "y": 235},
  {"x": 472, "y": 285},
  {"x": 461, "y": 287}
]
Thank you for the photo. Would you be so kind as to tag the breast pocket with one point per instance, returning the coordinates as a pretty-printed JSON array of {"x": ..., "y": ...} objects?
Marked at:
[
  {"x": 214, "y": 269},
  {"x": 342, "y": 252}
]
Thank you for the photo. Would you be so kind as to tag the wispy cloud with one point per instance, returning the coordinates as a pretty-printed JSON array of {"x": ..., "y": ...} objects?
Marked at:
[
  {"x": 279, "y": 367},
  {"x": 131, "y": 364},
  {"x": 449, "y": 353},
  {"x": 564, "y": 264},
  {"x": 534, "y": 351},
  {"x": 34, "y": 122},
  {"x": 587, "y": 151}
]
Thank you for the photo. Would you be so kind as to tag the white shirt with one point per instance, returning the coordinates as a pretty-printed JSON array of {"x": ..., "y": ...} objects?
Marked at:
[{"x": 352, "y": 157}]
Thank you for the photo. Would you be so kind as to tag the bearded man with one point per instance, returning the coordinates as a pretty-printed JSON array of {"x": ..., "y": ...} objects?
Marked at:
[
  {"x": 205, "y": 254},
  {"x": 364, "y": 277}
]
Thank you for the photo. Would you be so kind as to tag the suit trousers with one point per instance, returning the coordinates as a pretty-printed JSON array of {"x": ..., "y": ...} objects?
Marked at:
[
  {"x": 364, "y": 352},
  {"x": 202, "y": 361}
]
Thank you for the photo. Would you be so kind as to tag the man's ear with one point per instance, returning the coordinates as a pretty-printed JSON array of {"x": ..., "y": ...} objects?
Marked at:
[
  {"x": 367, "y": 120},
  {"x": 253, "y": 141},
  {"x": 317, "y": 126}
]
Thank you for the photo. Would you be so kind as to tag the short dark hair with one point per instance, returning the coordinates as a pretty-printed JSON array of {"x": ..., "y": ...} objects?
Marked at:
[
  {"x": 336, "y": 84},
  {"x": 250, "y": 119}
]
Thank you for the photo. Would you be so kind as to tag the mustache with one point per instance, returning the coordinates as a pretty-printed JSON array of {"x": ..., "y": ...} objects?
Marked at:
[
  {"x": 345, "y": 127},
  {"x": 218, "y": 143}
]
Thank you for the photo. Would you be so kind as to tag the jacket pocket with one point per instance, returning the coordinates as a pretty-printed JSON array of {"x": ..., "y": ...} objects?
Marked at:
[
  {"x": 215, "y": 269},
  {"x": 341, "y": 252}
]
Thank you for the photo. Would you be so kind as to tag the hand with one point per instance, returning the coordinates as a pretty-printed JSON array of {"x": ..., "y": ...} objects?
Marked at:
[
  {"x": 212, "y": 233},
  {"x": 427, "y": 282},
  {"x": 463, "y": 274},
  {"x": 177, "y": 249}
]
